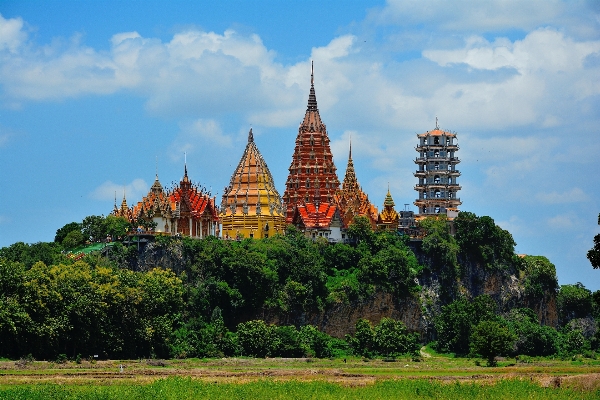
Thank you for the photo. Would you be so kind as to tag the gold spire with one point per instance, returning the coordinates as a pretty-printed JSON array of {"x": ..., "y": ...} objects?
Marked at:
[{"x": 262, "y": 206}]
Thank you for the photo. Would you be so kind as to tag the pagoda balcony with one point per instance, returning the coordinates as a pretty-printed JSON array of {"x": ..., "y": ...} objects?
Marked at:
[{"x": 449, "y": 147}]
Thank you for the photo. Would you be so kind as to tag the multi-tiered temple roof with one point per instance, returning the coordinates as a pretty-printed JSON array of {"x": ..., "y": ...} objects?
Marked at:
[
  {"x": 251, "y": 205},
  {"x": 351, "y": 200},
  {"x": 312, "y": 174},
  {"x": 388, "y": 218}
]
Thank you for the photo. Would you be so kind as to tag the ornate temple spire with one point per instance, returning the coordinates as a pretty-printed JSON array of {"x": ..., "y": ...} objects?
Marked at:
[
  {"x": 389, "y": 201},
  {"x": 312, "y": 97},
  {"x": 250, "y": 136},
  {"x": 156, "y": 186},
  {"x": 312, "y": 176},
  {"x": 350, "y": 182}
]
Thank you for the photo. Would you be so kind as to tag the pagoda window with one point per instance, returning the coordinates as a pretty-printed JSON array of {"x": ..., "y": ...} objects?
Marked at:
[
  {"x": 312, "y": 155},
  {"x": 312, "y": 140},
  {"x": 307, "y": 183},
  {"x": 438, "y": 194},
  {"x": 436, "y": 140},
  {"x": 436, "y": 179},
  {"x": 450, "y": 181},
  {"x": 436, "y": 166},
  {"x": 447, "y": 141},
  {"x": 437, "y": 209},
  {"x": 436, "y": 153}
]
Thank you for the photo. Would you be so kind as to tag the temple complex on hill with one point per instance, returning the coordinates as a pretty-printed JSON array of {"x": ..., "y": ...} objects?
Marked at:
[
  {"x": 437, "y": 173},
  {"x": 251, "y": 205},
  {"x": 185, "y": 210},
  {"x": 312, "y": 175},
  {"x": 352, "y": 201}
]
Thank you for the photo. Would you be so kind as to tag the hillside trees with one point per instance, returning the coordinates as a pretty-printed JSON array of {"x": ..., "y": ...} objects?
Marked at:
[
  {"x": 594, "y": 253},
  {"x": 484, "y": 242}
]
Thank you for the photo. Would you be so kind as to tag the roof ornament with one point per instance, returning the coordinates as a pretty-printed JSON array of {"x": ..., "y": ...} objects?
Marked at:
[
  {"x": 436, "y": 123},
  {"x": 350, "y": 153},
  {"x": 312, "y": 98},
  {"x": 250, "y": 136},
  {"x": 312, "y": 73}
]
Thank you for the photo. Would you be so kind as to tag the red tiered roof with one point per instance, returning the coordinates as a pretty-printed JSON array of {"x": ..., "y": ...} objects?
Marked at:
[{"x": 313, "y": 216}]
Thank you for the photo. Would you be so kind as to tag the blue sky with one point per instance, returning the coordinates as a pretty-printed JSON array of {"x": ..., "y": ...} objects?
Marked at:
[{"x": 95, "y": 95}]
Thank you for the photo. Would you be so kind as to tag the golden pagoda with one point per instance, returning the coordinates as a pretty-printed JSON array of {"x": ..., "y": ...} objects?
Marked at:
[
  {"x": 388, "y": 218},
  {"x": 351, "y": 200},
  {"x": 251, "y": 206}
]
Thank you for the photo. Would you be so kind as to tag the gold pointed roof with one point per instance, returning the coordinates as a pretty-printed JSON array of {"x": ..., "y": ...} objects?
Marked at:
[
  {"x": 389, "y": 215},
  {"x": 251, "y": 190}
]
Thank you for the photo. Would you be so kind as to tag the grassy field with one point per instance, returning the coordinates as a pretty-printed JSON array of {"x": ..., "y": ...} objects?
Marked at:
[{"x": 433, "y": 377}]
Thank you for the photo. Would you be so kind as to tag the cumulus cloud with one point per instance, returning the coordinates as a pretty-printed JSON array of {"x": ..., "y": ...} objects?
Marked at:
[
  {"x": 564, "y": 222},
  {"x": 12, "y": 34},
  {"x": 575, "y": 195},
  {"x": 108, "y": 190},
  {"x": 197, "y": 135}
]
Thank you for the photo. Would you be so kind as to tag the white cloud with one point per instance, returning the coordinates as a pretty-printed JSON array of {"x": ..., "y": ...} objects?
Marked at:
[
  {"x": 488, "y": 16},
  {"x": 564, "y": 222},
  {"x": 196, "y": 135},
  {"x": 11, "y": 34},
  {"x": 515, "y": 225},
  {"x": 132, "y": 191},
  {"x": 575, "y": 195}
]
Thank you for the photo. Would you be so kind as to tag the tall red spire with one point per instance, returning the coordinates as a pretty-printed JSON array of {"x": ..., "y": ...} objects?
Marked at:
[{"x": 312, "y": 177}]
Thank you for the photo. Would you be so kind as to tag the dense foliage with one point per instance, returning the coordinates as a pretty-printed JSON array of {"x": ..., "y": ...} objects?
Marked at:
[{"x": 214, "y": 296}]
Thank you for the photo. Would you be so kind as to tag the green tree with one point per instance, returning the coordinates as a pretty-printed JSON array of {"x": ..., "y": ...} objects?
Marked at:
[
  {"x": 62, "y": 233},
  {"x": 574, "y": 301},
  {"x": 533, "y": 339},
  {"x": 73, "y": 239},
  {"x": 481, "y": 240},
  {"x": 540, "y": 276},
  {"x": 490, "y": 339},
  {"x": 438, "y": 244},
  {"x": 391, "y": 338},
  {"x": 454, "y": 325},
  {"x": 360, "y": 230},
  {"x": 255, "y": 338},
  {"x": 363, "y": 337},
  {"x": 116, "y": 226},
  {"x": 594, "y": 253},
  {"x": 93, "y": 228}
]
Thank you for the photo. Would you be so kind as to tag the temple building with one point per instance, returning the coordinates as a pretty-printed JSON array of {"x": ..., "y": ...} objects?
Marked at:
[
  {"x": 388, "y": 219},
  {"x": 251, "y": 205},
  {"x": 186, "y": 210},
  {"x": 194, "y": 212},
  {"x": 320, "y": 221},
  {"x": 437, "y": 173},
  {"x": 351, "y": 200},
  {"x": 312, "y": 175}
]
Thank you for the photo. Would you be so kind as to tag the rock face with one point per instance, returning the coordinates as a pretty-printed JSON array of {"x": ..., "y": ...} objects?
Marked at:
[{"x": 417, "y": 311}]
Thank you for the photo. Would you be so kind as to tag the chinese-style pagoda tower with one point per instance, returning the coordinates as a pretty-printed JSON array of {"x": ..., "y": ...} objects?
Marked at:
[
  {"x": 437, "y": 173},
  {"x": 351, "y": 200},
  {"x": 251, "y": 205},
  {"x": 312, "y": 177},
  {"x": 388, "y": 218}
]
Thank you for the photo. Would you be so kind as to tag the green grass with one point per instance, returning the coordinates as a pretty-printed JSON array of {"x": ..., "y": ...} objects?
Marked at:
[{"x": 182, "y": 388}]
